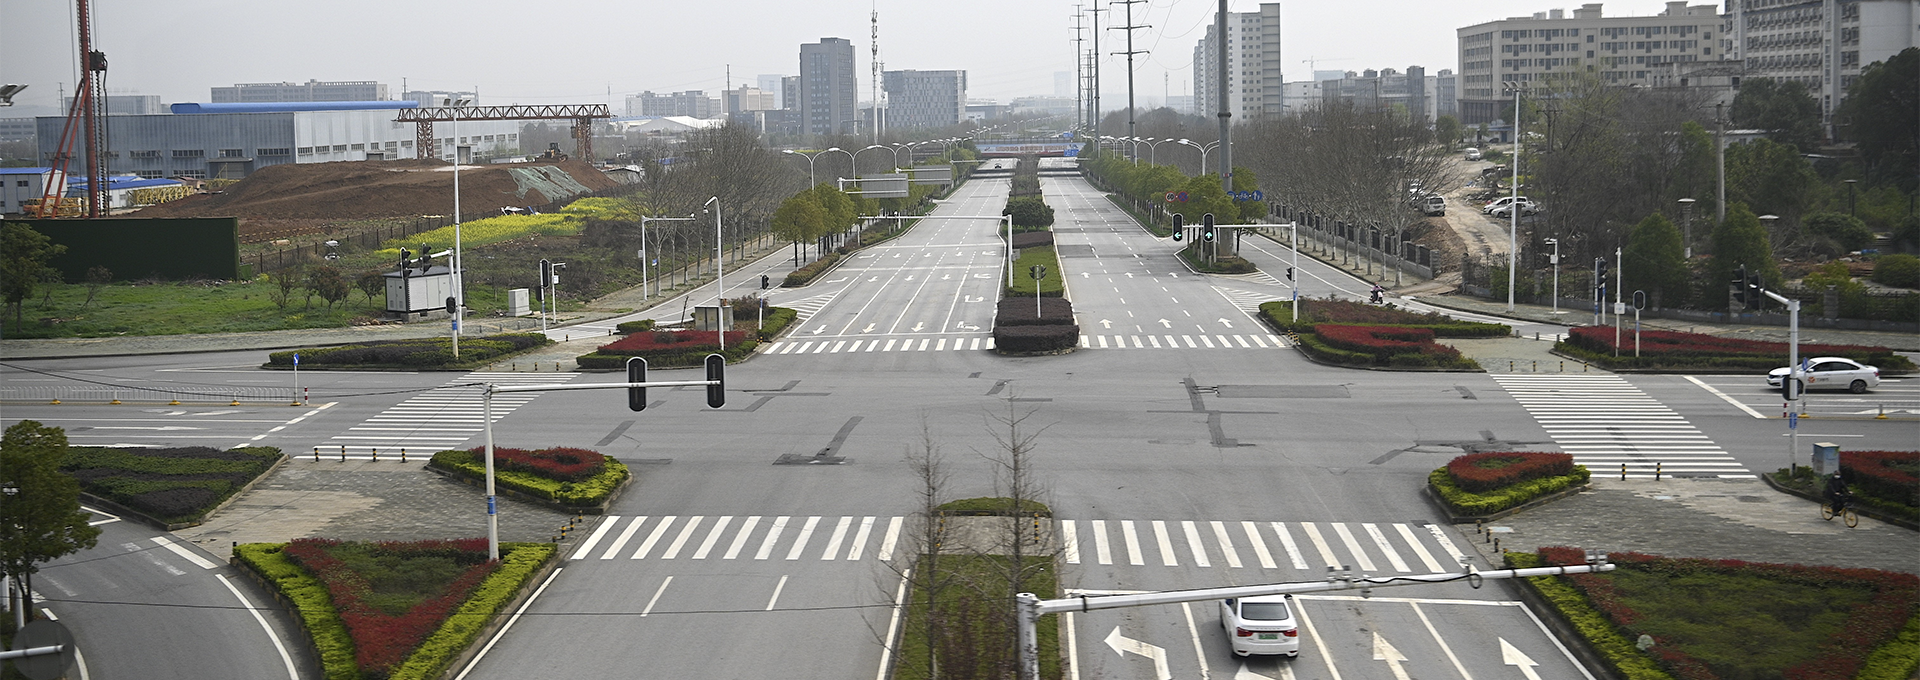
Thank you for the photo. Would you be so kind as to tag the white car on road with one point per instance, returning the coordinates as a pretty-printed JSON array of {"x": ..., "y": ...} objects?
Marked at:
[
  {"x": 1260, "y": 625},
  {"x": 1831, "y": 373}
]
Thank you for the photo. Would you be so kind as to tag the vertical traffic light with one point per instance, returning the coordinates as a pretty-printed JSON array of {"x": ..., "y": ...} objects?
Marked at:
[
  {"x": 1754, "y": 296},
  {"x": 1179, "y": 227},
  {"x": 1601, "y": 267},
  {"x": 1740, "y": 287},
  {"x": 1206, "y": 227},
  {"x": 717, "y": 372},
  {"x": 636, "y": 373}
]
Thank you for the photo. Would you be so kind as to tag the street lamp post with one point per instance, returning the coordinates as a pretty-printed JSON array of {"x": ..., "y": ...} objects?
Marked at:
[
  {"x": 719, "y": 281},
  {"x": 459, "y": 277},
  {"x": 1686, "y": 225},
  {"x": 1203, "y": 151},
  {"x": 810, "y": 180},
  {"x": 1556, "y": 272},
  {"x": 646, "y": 258},
  {"x": 1513, "y": 235},
  {"x": 856, "y": 169},
  {"x": 856, "y": 157}
]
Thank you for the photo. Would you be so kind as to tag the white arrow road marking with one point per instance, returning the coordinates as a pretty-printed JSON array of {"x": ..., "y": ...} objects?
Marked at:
[
  {"x": 1226, "y": 323},
  {"x": 1510, "y": 655},
  {"x": 918, "y": 326},
  {"x": 909, "y": 277},
  {"x": 1385, "y": 652},
  {"x": 1129, "y": 275},
  {"x": 1106, "y": 324},
  {"x": 962, "y": 325},
  {"x": 1084, "y": 275},
  {"x": 983, "y": 276},
  {"x": 1122, "y": 644},
  {"x": 1174, "y": 274},
  {"x": 871, "y": 280},
  {"x": 1166, "y": 323},
  {"x": 1245, "y": 674},
  {"x": 843, "y": 278},
  {"x": 819, "y": 330},
  {"x": 868, "y": 329},
  {"x": 946, "y": 277},
  {"x": 136, "y": 427}
]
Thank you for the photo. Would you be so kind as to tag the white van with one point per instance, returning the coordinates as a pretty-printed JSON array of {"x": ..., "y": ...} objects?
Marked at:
[{"x": 1431, "y": 205}]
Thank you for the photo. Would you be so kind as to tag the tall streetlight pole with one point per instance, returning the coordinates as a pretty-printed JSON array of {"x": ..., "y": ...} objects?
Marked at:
[
  {"x": 850, "y": 161},
  {"x": 856, "y": 157},
  {"x": 1203, "y": 151},
  {"x": 810, "y": 180},
  {"x": 459, "y": 276},
  {"x": 1513, "y": 234},
  {"x": 719, "y": 282}
]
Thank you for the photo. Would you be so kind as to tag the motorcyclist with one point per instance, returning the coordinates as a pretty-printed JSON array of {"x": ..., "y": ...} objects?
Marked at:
[{"x": 1379, "y": 294}]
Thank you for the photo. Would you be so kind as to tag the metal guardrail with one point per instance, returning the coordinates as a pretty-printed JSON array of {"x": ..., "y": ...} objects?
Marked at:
[{"x": 92, "y": 394}]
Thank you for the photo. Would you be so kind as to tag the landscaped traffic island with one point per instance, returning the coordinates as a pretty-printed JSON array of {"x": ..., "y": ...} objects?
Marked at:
[
  {"x": 1882, "y": 482},
  {"x": 1677, "y": 350},
  {"x": 1483, "y": 486},
  {"x": 958, "y": 620},
  {"x": 411, "y": 354},
  {"x": 393, "y": 610},
  {"x": 1660, "y": 618},
  {"x": 172, "y": 488},
  {"x": 682, "y": 348},
  {"x": 1344, "y": 332},
  {"x": 565, "y": 478}
]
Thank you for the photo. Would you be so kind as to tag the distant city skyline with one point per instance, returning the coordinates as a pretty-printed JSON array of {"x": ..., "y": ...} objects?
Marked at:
[{"x": 1009, "y": 49}]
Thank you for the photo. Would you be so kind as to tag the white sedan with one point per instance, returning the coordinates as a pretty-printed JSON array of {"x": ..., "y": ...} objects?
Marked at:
[
  {"x": 1260, "y": 625},
  {"x": 1831, "y": 373}
]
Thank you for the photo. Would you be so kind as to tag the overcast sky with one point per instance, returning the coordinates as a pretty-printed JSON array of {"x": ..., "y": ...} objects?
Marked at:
[{"x": 577, "y": 51}]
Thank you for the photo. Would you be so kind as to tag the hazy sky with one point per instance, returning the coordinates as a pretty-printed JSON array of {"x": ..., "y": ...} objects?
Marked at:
[{"x": 576, "y": 51}]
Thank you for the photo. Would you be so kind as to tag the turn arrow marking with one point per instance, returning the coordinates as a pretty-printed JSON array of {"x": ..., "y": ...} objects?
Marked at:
[
  {"x": 1084, "y": 275},
  {"x": 1245, "y": 674},
  {"x": 1226, "y": 323},
  {"x": 1166, "y": 323},
  {"x": 918, "y": 326},
  {"x": 1122, "y": 645},
  {"x": 819, "y": 330},
  {"x": 1510, "y": 655},
  {"x": 1129, "y": 275},
  {"x": 1385, "y": 652},
  {"x": 868, "y": 329}
]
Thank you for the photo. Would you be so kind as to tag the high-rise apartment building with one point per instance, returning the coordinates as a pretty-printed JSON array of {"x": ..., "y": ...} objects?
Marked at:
[
  {"x": 829, "y": 94},
  {"x": 1386, "y": 89},
  {"x": 925, "y": 99},
  {"x": 770, "y": 83},
  {"x": 1822, "y": 44},
  {"x": 1254, "y": 83},
  {"x": 1537, "y": 51},
  {"x": 692, "y": 103},
  {"x": 750, "y": 99},
  {"x": 310, "y": 91}
]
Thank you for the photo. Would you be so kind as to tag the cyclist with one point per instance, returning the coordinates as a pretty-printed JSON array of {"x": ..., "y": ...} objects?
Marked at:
[{"x": 1836, "y": 492}]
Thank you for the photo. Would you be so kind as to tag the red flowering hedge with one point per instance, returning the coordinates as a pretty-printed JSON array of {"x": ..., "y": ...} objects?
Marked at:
[
  {"x": 1884, "y": 474},
  {"x": 562, "y": 463},
  {"x": 1666, "y": 348},
  {"x": 384, "y": 629},
  {"x": 1313, "y": 311},
  {"x": 1381, "y": 346},
  {"x": 653, "y": 343},
  {"x": 1482, "y": 472},
  {"x": 1875, "y": 622}
]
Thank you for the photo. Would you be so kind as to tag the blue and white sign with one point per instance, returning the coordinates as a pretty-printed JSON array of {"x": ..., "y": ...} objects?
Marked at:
[{"x": 296, "y": 358}]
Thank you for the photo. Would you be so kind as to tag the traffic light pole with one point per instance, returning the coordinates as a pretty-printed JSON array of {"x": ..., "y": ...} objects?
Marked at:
[
  {"x": 486, "y": 411},
  {"x": 1791, "y": 387}
]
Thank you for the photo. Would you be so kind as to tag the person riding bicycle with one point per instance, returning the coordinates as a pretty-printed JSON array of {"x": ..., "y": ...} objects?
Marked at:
[{"x": 1836, "y": 491}]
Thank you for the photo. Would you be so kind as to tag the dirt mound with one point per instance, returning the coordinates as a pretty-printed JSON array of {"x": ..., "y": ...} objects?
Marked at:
[{"x": 376, "y": 189}]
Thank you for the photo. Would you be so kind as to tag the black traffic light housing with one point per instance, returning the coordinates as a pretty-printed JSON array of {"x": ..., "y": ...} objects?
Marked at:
[
  {"x": 636, "y": 373},
  {"x": 1740, "y": 287},
  {"x": 1179, "y": 227},
  {"x": 1206, "y": 227},
  {"x": 717, "y": 372},
  {"x": 1600, "y": 270},
  {"x": 1754, "y": 296}
]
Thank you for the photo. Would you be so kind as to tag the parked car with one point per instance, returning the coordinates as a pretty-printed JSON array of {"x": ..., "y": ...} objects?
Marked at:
[
  {"x": 1497, "y": 206},
  {"x": 1504, "y": 212},
  {"x": 1432, "y": 205},
  {"x": 1830, "y": 373},
  {"x": 1473, "y": 154},
  {"x": 1260, "y": 625}
]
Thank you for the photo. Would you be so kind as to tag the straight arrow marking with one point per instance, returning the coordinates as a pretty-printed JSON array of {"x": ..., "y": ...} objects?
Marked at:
[
  {"x": 1510, "y": 655},
  {"x": 1385, "y": 652}
]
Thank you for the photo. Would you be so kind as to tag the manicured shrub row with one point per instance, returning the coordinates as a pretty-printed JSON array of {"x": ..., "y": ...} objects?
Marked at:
[
  {"x": 1348, "y": 312},
  {"x": 654, "y": 343},
  {"x": 1675, "y": 348},
  {"x": 777, "y": 320},
  {"x": 1052, "y": 312},
  {"x": 994, "y": 507},
  {"x": 310, "y": 603},
  {"x": 413, "y": 353},
  {"x": 1889, "y": 475},
  {"x": 384, "y": 639},
  {"x": 1018, "y": 339},
  {"x": 1032, "y": 239},
  {"x": 1470, "y": 504},
  {"x": 1879, "y": 620},
  {"x": 1397, "y": 346},
  {"x": 635, "y": 326},
  {"x": 592, "y": 490},
  {"x": 1614, "y": 648},
  {"x": 566, "y": 464},
  {"x": 174, "y": 485},
  {"x": 805, "y": 274},
  {"x": 518, "y": 563},
  {"x": 1482, "y": 472},
  {"x": 1223, "y": 264}
]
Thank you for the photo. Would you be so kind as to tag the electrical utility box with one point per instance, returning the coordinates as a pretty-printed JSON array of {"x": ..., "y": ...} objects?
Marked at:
[
  {"x": 413, "y": 289},
  {"x": 519, "y": 302},
  {"x": 717, "y": 318}
]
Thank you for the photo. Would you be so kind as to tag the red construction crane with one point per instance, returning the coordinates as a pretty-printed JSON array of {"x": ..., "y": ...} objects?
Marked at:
[{"x": 86, "y": 118}]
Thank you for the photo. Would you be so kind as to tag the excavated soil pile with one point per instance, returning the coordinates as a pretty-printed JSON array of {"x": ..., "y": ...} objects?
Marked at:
[{"x": 380, "y": 189}]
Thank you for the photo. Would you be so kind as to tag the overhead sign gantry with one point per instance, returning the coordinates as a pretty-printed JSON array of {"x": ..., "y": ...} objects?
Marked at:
[{"x": 582, "y": 116}]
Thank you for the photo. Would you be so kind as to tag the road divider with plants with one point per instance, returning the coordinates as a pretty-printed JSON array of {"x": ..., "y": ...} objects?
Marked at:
[
  {"x": 680, "y": 348},
  {"x": 412, "y": 354},
  {"x": 172, "y": 488},
  {"x": 564, "y": 478},
  {"x": 959, "y": 609},
  {"x": 1344, "y": 332},
  {"x": 1022, "y": 327},
  {"x": 1485, "y": 486},
  {"x": 1682, "y": 351}
]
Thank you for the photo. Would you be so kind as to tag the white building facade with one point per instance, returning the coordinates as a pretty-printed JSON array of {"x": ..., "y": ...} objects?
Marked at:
[
  {"x": 1822, "y": 44},
  {"x": 1540, "y": 50},
  {"x": 925, "y": 99},
  {"x": 1255, "y": 85}
]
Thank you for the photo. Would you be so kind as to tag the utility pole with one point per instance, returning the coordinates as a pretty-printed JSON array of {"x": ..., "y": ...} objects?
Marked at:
[
  {"x": 875, "y": 64},
  {"x": 1095, "y": 95},
  {"x": 1079, "y": 67},
  {"x": 1226, "y": 112},
  {"x": 1130, "y": 28},
  {"x": 1720, "y": 154}
]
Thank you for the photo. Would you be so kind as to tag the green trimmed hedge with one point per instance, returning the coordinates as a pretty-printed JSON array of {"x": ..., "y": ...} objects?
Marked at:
[
  {"x": 1467, "y": 503},
  {"x": 1279, "y": 314},
  {"x": 1224, "y": 264},
  {"x": 578, "y": 494},
  {"x": 635, "y": 326},
  {"x": 518, "y": 563},
  {"x": 994, "y": 507},
  {"x": 806, "y": 274},
  {"x": 735, "y": 353},
  {"x": 311, "y": 605},
  {"x": 172, "y": 485},
  {"x": 1023, "y": 283},
  {"x": 778, "y": 318},
  {"x": 1895, "y": 660},
  {"x": 1619, "y": 653},
  {"x": 435, "y": 352}
]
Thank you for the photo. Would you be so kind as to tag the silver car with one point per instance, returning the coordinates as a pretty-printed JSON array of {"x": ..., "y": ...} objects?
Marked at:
[
  {"x": 1830, "y": 373},
  {"x": 1260, "y": 625}
]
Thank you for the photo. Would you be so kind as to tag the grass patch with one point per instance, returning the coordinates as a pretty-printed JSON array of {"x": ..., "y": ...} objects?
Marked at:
[
  {"x": 970, "y": 622},
  {"x": 590, "y": 491},
  {"x": 171, "y": 486},
  {"x": 994, "y": 507},
  {"x": 1023, "y": 281},
  {"x": 172, "y": 308},
  {"x": 1731, "y": 619}
]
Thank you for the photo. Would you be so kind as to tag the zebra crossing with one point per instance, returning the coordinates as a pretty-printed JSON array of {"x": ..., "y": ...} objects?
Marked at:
[
  {"x": 1609, "y": 426},
  {"x": 1184, "y": 341},
  {"x": 805, "y": 308},
  {"x": 436, "y": 420},
  {"x": 1246, "y": 300},
  {"x": 1298, "y": 546},
  {"x": 910, "y": 344}
]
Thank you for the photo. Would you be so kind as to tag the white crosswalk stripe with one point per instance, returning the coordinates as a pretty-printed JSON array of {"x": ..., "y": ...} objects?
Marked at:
[
  {"x": 805, "y": 308},
  {"x": 1249, "y": 301},
  {"x": 1607, "y": 423},
  {"x": 975, "y": 343},
  {"x": 1368, "y": 547},
  {"x": 436, "y": 420},
  {"x": 1183, "y": 341}
]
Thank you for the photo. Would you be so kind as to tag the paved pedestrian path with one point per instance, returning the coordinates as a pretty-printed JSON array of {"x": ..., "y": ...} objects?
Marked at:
[{"x": 1608, "y": 425}]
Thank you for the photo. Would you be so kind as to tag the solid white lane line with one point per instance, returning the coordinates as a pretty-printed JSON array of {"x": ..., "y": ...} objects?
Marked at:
[
  {"x": 1259, "y": 545},
  {"x": 659, "y": 529},
  {"x": 614, "y": 548},
  {"x": 656, "y": 597},
  {"x": 285, "y": 658},
  {"x": 184, "y": 553},
  {"x": 782, "y": 585},
  {"x": 1193, "y": 543},
  {"x": 773, "y": 536},
  {"x": 1723, "y": 397},
  {"x": 893, "y": 622},
  {"x": 1406, "y": 534},
  {"x": 1070, "y": 541},
  {"x": 1306, "y": 628},
  {"x": 1193, "y": 631},
  {"x": 1444, "y": 647},
  {"x": 1132, "y": 538},
  {"x": 839, "y": 536},
  {"x": 806, "y": 533},
  {"x": 713, "y": 536},
  {"x": 1380, "y": 539},
  {"x": 1165, "y": 544},
  {"x": 1226, "y": 545},
  {"x": 1102, "y": 552},
  {"x": 892, "y": 537},
  {"x": 673, "y": 549},
  {"x": 740, "y": 539},
  {"x": 594, "y": 538}
]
